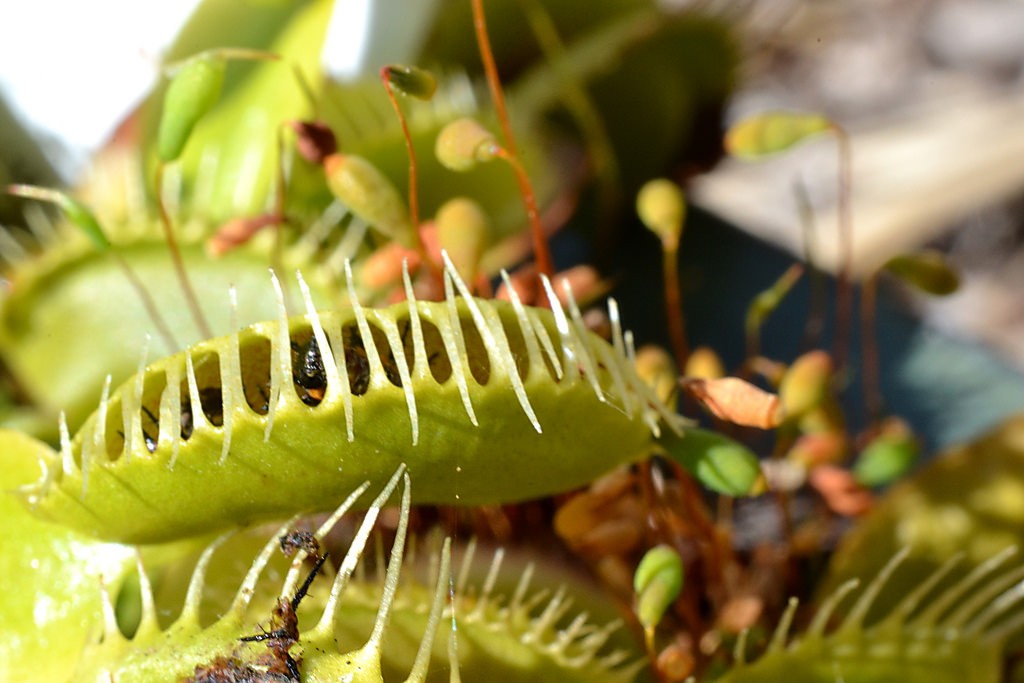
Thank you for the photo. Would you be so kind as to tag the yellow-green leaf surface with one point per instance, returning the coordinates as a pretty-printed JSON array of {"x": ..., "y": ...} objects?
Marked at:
[
  {"x": 927, "y": 270},
  {"x": 60, "y": 314},
  {"x": 968, "y": 500},
  {"x": 718, "y": 462},
  {"x": 256, "y": 98},
  {"x": 773, "y": 132},
  {"x": 473, "y": 407},
  {"x": 52, "y": 576}
]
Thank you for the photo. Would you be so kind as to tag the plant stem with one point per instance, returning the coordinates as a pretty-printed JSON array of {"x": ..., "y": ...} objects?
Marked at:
[
  {"x": 176, "y": 260},
  {"x": 540, "y": 244},
  {"x": 869, "y": 350},
  {"x": 844, "y": 286},
  {"x": 147, "y": 303},
  {"x": 674, "y": 304},
  {"x": 815, "y": 323},
  {"x": 414, "y": 200},
  {"x": 414, "y": 207}
]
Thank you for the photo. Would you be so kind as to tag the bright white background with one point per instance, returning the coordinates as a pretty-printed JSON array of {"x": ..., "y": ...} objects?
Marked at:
[{"x": 71, "y": 69}]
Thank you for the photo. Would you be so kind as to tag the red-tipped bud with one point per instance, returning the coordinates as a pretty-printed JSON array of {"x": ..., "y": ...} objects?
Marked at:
[{"x": 314, "y": 140}]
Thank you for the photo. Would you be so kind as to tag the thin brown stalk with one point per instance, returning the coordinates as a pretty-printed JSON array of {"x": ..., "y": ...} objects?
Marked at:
[
  {"x": 511, "y": 154},
  {"x": 869, "y": 350},
  {"x": 674, "y": 305},
  {"x": 414, "y": 200},
  {"x": 147, "y": 302},
  {"x": 176, "y": 259}
]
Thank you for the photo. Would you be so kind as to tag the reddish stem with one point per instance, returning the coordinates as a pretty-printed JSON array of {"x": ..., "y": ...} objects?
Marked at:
[
  {"x": 540, "y": 242},
  {"x": 674, "y": 305},
  {"x": 511, "y": 153},
  {"x": 869, "y": 350},
  {"x": 414, "y": 201},
  {"x": 414, "y": 205}
]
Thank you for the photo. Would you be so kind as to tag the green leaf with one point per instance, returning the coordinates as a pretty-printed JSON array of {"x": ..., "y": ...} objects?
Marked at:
[
  {"x": 718, "y": 462},
  {"x": 51, "y": 601},
  {"x": 888, "y": 456},
  {"x": 928, "y": 270},
  {"x": 773, "y": 132}
]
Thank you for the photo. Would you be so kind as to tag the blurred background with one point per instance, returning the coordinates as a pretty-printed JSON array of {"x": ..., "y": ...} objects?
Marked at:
[{"x": 928, "y": 90}]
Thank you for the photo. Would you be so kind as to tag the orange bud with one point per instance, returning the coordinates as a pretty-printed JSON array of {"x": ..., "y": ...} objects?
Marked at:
[
  {"x": 237, "y": 232},
  {"x": 463, "y": 230},
  {"x": 524, "y": 282},
  {"x": 584, "y": 281},
  {"x": 676, "y": 664},
  {"x": 841, "y": 491},
  {"x": 383, "y": 267},
  {"x": 736, "y": 400},
  {"x": 819, "y": 448}
]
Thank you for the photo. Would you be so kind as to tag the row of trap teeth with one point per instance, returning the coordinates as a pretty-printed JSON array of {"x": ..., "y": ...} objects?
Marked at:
[
  {"x": 535, "y": 618},
  {"x": 467, "y": 342},
  {"x": 983, "y": 606}
]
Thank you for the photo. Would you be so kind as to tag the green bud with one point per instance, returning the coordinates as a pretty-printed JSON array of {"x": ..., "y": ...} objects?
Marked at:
[
  {"x": 927, "y": 270},
  {"x": 411, "y": 80},
  {"x": 718, "y": 462},
  {"x": 658, "y": 581},
  {"x": 662, "y": 207},
  {"x": 193, "y": 91},
  {"x": 369, "y": 195},
  {"x": 805, "y": 386},
  {"x": 464, "y": 143},
  {"x": 772, "y": 132}
]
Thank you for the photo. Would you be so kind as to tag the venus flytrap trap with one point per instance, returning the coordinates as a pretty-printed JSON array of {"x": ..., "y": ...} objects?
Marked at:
[
  {"x": 340, "y": 625},
  {"x": 482, "y": 400},
  {"x": 48, "y": 606},
  {"x": 957, "y": 633},
  {"x": 459, "y": 400}
]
